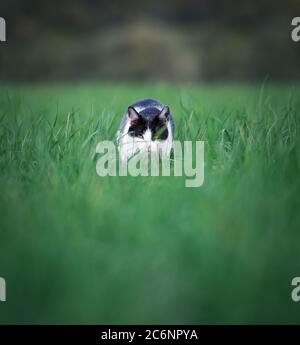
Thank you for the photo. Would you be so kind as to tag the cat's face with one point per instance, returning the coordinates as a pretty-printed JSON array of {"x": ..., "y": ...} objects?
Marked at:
[
  {"x": 146, "y": 130},
  {"x": 149, "y": 125}
]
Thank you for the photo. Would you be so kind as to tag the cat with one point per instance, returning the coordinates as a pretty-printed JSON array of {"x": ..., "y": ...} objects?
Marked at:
[{"x": 147, "y": 126}]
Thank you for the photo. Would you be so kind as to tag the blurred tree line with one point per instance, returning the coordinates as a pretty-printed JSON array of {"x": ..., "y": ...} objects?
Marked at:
[{"x": 205, "y": 40}]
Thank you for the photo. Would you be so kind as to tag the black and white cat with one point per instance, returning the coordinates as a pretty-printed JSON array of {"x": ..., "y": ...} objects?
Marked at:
[{"x": 147, "y": 126}]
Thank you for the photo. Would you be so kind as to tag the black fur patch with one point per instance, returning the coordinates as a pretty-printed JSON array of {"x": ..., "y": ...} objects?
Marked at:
[{"x": 149, "y": 118}]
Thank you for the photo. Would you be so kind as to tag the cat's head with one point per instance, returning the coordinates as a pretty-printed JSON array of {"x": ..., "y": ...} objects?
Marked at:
[{"x": 149, "y": 124}]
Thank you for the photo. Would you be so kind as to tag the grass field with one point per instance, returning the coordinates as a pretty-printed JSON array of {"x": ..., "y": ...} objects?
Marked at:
[{"x": 78, "y": 248}]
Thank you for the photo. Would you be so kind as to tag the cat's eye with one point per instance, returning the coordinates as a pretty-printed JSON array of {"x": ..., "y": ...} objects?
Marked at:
[{"x": 140, "y": 136}]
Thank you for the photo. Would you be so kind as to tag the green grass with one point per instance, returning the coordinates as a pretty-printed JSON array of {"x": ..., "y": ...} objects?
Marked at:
[{"x": 78, "y": 248}]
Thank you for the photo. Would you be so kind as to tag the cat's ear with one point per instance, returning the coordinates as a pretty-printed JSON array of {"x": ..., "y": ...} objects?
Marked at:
[
  {"x": 164, "y": 114},
  {"x": 133, "y": 114}
]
